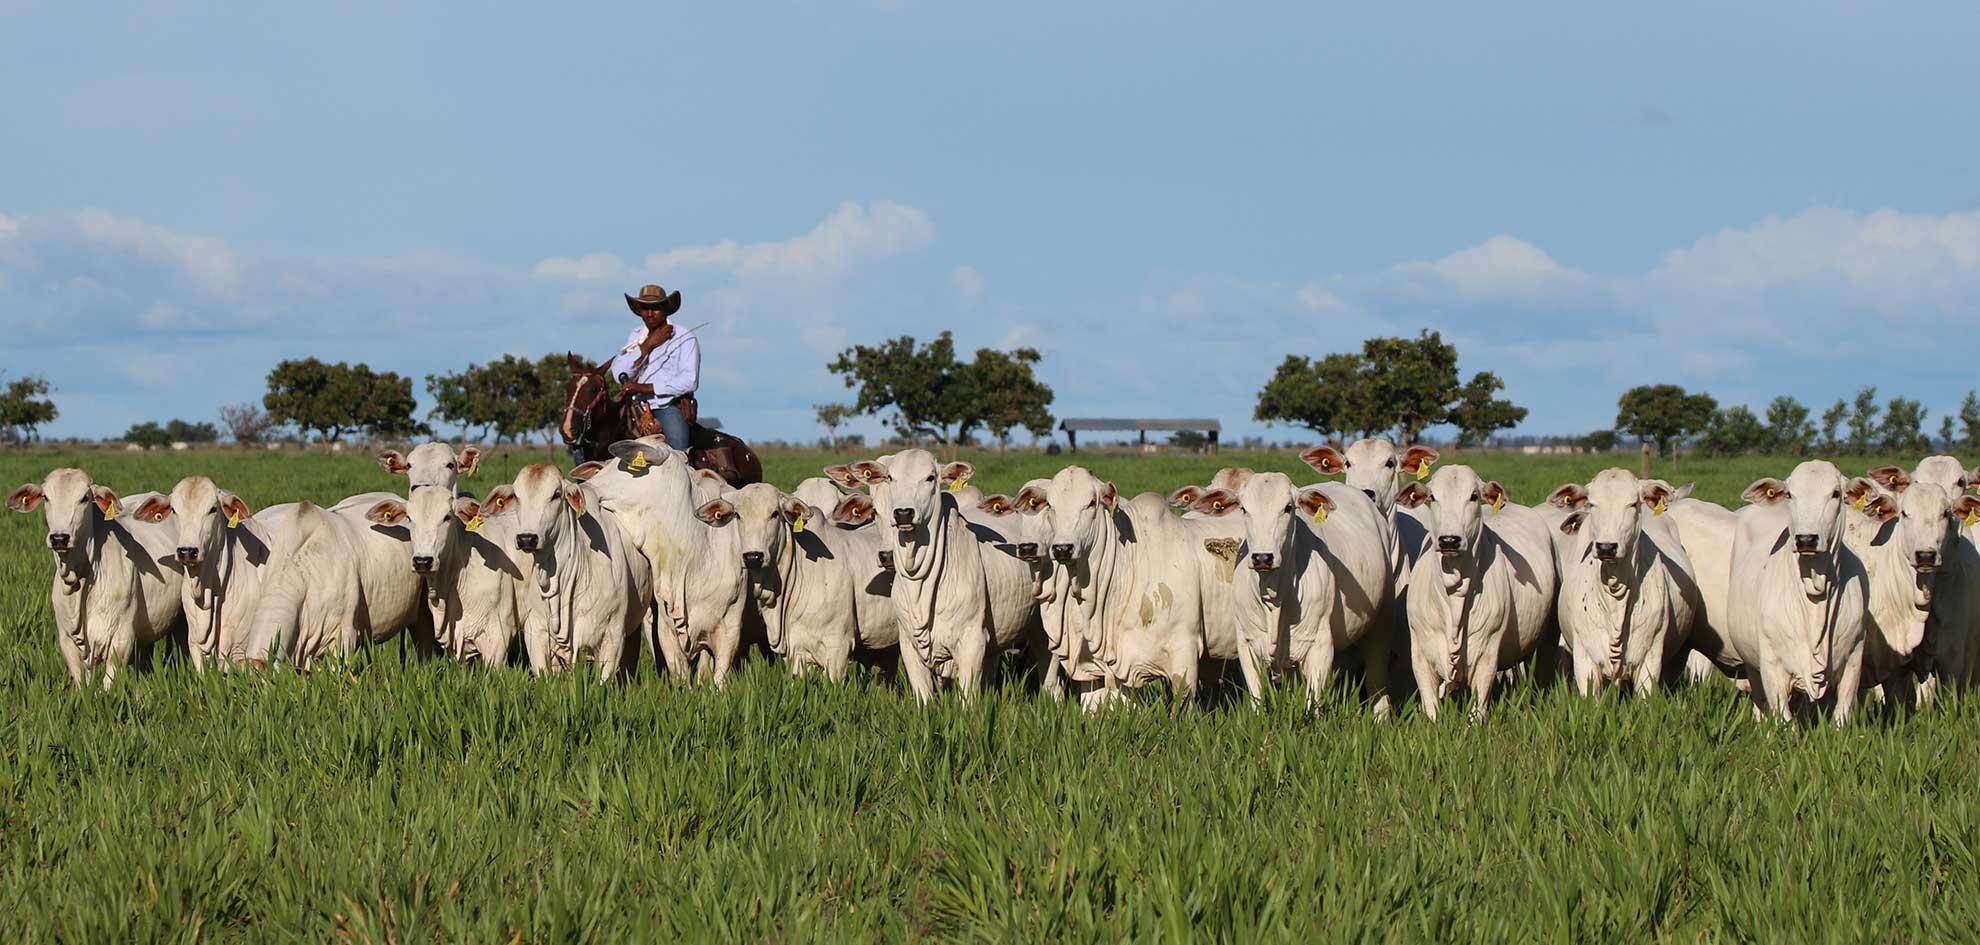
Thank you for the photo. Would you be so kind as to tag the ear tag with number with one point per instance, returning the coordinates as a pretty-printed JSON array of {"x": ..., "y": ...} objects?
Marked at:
[
  {"x": 797, "y": 524},
  {"x": 638, "y": 461},
  {"x": 1972, "y": 515},
  {"x": 109, "y": 513},
  {"x": 956, "y": 485}
]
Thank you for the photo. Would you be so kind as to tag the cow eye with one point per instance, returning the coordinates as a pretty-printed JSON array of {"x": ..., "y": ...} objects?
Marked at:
[
  {"x": 1836, "y": 494},
  {"x": 1391, "y": 464},
  {"x": 1289, "y": 506},
  {"x": 931, "y": 477},
  {"x": 1475, "y": 498},
  {"x": 450, "y": 465}
]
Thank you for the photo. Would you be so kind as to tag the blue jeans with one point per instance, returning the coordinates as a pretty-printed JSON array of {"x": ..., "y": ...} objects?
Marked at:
[{"x": 673, "y": 426}]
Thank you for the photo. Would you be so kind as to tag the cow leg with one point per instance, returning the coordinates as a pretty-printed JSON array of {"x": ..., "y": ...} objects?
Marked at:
[
  {"x": 1483, "y": 677},
  {"x": 1698, "y": 667},
  {"x": 920, "y": 679},
  {"x": 1375, "y": 654},
  {"x": 1428, "y": 681},
  {"x": 73, "y": 656},
  {"x": 1771, "y": 689},
  {"x": 1587, "y": 680},
  {"x": 1647, "y": 672},
  {"x": 667, "y": 641},
  {"x": 1847, "y": 687},
  {"x": 972, "y": 656},
  {"x": 1248, "y": 664},
  {"x": 728, "y": 645},
  {"x": 1051, "y": 681},
  {"x": 118, "y": 657},
  {"x": 1318, "y": 663}
]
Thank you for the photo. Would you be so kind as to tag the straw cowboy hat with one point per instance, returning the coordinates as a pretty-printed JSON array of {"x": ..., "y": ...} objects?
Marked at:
[{"x": 653, "y": 298}]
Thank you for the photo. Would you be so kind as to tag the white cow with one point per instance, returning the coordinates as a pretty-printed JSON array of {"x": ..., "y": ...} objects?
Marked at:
[
  {"x": 957, "y": 601},
  {"x": 1923, "y": 576},
  {"x": 113, "y": 595},
  {"x": 805, "y": 575},
  {"x": 225, "y": 550},
  {"x": 1378, "y": 468},
  {"x": 346, "y": 585},
  {"x": 873, "y": 567},
  {"x": 587, "y": 589},
  {"x": 1628, "y": 595},
  {"x": 1797, "y": 620},
  {"x": 1230, "y": 479},
  {"x": 473, "y": 583},
  {"x": 432, "y": 464},
  {"x": 695, "y": 572},
  {"x": 818, "y": 492},
  {"x": 1485, "y": 599},
  {"x": 1313, "y": 581},
  {"x": 1705, "y": 532},
  {"x": 1135, "y": 599}
]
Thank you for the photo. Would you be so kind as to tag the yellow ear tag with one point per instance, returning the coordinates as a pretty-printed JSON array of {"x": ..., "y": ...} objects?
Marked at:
[
  {"x": 474, "y": 524},
  {"x": 233, "y": 519},
  {"x": 1972, "y": 515},
  {"x": 1862, "y": 500},
  {"x": 1319, "y": 514},
  {"x": 110, "y": 513},
  {"x": 797, "y": 524},
  {"x": 1498, "y": 501},
  {"x": 1657, "y": 509},
  {"x": 638, "y": 461},
  {"x": 956, "y": 485},
  {"x": 1422, "y": 471}
]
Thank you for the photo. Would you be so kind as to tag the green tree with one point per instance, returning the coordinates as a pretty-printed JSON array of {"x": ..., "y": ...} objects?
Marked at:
[
  {"x": 508, "y": 398},
  {"x": 1946, "y": 432},
  {"x": 1663, "y": 414},
  {"x": 1969, "y": 420},
  {"x": 1002, "y": 392},
  {"x": 1832, "y": 421},
  {"x": 1903, "y": 429},
  {"x": 918, "y": 383},
  {"x": 1788, "y": 429},
  {"x": 1863, "y": 421},
  {"x": 24, "y": 407},
  {"x": 832, "y": 417},
  {"x": 1733, "y": 431},
  {"x": 1325, "y": 396},
  {"x": 1188, "y": 440},
  {"x": 147, "y": 434},
  {"x": 1601, "y": 441},
  {"x": 1408, "y": 383},
  {"x": 179, "y": 431},
  {"x": 334, "y": 399},
  {"x": 247, "y": 424},
  {"x": 1477, "y": 414}
]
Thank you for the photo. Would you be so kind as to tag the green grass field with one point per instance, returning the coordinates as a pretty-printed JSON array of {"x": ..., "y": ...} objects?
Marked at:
[{"x": 406, "y": 802}]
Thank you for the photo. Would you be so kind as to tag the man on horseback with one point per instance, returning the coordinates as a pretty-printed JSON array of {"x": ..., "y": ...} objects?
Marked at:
[{"x": 660, "y": 366}]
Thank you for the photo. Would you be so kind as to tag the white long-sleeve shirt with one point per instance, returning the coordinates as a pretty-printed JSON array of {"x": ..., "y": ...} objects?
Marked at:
[{"x": 674, "y": 368}]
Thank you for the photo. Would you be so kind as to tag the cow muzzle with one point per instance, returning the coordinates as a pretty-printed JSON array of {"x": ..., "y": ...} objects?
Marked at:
[
  {"x": 187, "y": 555},
  {"x": 58, "y": 541},
  {"x": 1806, "y": 544},
  {"x": 1062, "y": 552},
  {"x": 1028, "y": 550},
  {"x": 526, "y": 541},
  {"x": 422, "y": 564},
  {"x": 1925, "y": 561},
  {"x": 903, "y": 519},
  {"x": 1450, "y": 544},
  {"x": 1264, "y": 561},
  {"x": 886, "y": 561},
  {"x": 752, "y": 559},
  {"x": 1606, "y": 551}
]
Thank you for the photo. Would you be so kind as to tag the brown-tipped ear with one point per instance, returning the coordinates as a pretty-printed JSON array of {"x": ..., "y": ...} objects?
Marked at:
[
  {"x": 1571, "y": 495},
  {"x": 1973, "y": 479},
  {"x": 1572, "y": 523},
  {"x": 468, "y": 461},
  {"x": 106, "y": 500},
  {"x": 1414, "y": 495},
  {"x": 854, "y": 508},
  {"x": 1109, "y": 496},
  {"x": 154, "y": 509},
  {"x": 1966, "y": 508},
  {"x": 500, "y": 499},
  {"x": 1493, "y": 493},
  {"x": 843, "y": 475},
  {"x": 467, "y": 510},
  {"x": 1859, "y": 491},
  {"x": 574, "y": 494},
  {"x": 997, "y": 504},
  {"x": 868, "y": 471},
  {"x": 1314, "y": 503},
  {"x": 1417, "y": 461},
  {"x": 956, "y": 475},
  {"x": 1883, "y": 508},
  {"x": 386, "y": 512},
  {"x": 1656, "y": 493},
  {"x": 1031, "y": 500},
  {"x": 393, "y": 462},
  {"x": 1890, "y": 477},
  {"x": 716, "y": 512},
  {"x": 1767, "y": 491},
  {"x": 232, "y": 508},
  {"x": 585, "y": 470},
  {"x": 27, "y": 498},
  {"x": 1183, "y": 498},
  {"x": 1216, "y": 502},
  {"x": 1325, "y": 460}
]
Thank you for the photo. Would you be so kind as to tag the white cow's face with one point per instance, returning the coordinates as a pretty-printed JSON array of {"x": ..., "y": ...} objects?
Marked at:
[
  {"x": 1458, "y": 501},
  {"x": 1611, "y": 511},
  {"x": 71, "y": 503},
  {"x": 1374, "y": 465},
  {"x": 203, "y": 511},
  {"x": 435, "y": 522},
  {"x": 764, "y": 518},
  {"x": 1928, "y": 519},
  {"x": 543, "y": 503},
  {"x": 1942, "y": 471},
  {"x": 432, "y": 464},
  {"x": 907, "y": 488},
  {"x": 1028, "y": 531},
  {"x": 1813, "y": 495},
  {"x": 1273, "y": 509},
  {"x": 1077, "y": 507}
]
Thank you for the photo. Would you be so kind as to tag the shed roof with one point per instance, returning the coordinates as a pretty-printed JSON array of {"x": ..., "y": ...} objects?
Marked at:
[{"x": 1081, "y": 424}]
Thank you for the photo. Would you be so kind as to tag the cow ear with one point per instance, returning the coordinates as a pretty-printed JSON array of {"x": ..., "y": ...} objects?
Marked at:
[
  {"x": 1973, "y": 479},
  {"x": 794, "y": 510},
  {"x": 574, "y": 493},
  {"x": 1413, "y": 496},
  {"x": 1966, "y": 509},
  {"x": 1109, "y": 496},
  {"x": 1571, "y": 495},
  {"x": 233, "y": 509},
  {"x": 1767, "y": 491},
  {"x": 26, "y": 498},
  {"x": 154, "y": 509},
  {"x": 638, "y": 454},
  {"x": 1216, "y": 502},
  {"x": 1325, "y": 460},
  {"x": 853, "y": 509},
  {"x": 1183, "y": 498},
  {"x": 467, "y": 510},
  {"x": 1890, "y": 477},
  {"x": 392, "y": 461},
  {"x": 1493, "y": 493},
  {"x": 468, "y": 461},
  {"x": 1031, "y": 500},
  {"x": 1314, "y": 503},
  {"x": 1882, "y": 508},
  {"x": 584, "y": 471},
  {"x": 1572, "y": 523},
  {"x": 956, "y": 475},
  {"x": 843, "y": 476},
  {"x": 868, "y": 471},
  {"x": 716, "y": 512},
  {"x": 500, "y": 499},
  {"x": 1417, "y": 461},
  {"x": 106, "y": 501},
  {"x": 1858, "y": 492},
  {"x": 1656, "y": 493},
  {"x": 387, "y": 512},
  {"x": 996, "y": 504}
]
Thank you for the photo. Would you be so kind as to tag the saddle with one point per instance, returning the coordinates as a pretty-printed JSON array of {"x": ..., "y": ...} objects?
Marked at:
[{"x": 713, "y": 450}]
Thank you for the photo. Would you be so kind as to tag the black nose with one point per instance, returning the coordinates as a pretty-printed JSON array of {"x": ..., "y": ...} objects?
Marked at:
[
  {"x": 525, "y": 541},
  {"x": 1061, "y": 552},
  {"x": 1262, "y": 562},
  {"x": 1925, "y": 560},
  {"x": 422, "y": 563},
  {"x": 1450, "y": 543},
  {"x": 58, "y": 541},
  {"x": 1028, "y": 550},
  {"x": 886, "y": 561},
  {"x": 1804, "y": 544},
  {"x": 903, "y": 518},
  {"x": 752, "y": 559},
  {"x": 188, "y": 555},
  {"x": 1606, "y": 550},
  {"x": 1370, "y": 493}
]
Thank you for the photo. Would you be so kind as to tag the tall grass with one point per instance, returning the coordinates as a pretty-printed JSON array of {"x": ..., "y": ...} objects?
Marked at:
[{"x": 406, "y": 802}]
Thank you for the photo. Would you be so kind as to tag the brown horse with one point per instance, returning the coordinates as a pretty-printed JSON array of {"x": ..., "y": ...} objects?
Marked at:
[{"x": 593, "y": 421}]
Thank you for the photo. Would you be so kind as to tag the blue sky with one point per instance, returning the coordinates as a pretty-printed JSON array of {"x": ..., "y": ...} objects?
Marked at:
[{"x": 1165, "y": 199}]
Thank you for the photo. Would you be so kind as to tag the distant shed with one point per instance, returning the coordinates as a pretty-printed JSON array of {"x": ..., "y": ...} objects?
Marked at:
[{"x": 1075, "y": 425}]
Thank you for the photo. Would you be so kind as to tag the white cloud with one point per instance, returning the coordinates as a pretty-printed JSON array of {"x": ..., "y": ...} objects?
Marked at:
[
  {"x": 8, "y": 227},
  {"x": 209, "y": 261},
  {"x": 597, "y": 267},
  {"x": 851, "y": 235},
  {"x": 968, "y": 282}
]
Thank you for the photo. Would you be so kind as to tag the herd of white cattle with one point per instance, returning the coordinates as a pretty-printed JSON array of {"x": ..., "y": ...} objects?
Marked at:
[{"x": 1823, "y": 588}]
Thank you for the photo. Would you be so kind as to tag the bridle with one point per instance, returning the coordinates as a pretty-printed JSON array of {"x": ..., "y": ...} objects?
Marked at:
[{"x": 577, "y": 421}]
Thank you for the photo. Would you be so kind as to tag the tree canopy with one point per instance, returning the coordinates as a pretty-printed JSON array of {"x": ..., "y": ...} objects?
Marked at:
[
  {"x": 1663, "y": 414},
  {"x": 1399, "y": 384},
  {"x": 1477, "y": 414},
  {"x": 508, "y": 398},
  {"x": 24, "y": 407},
  {"x": 332, "y": 400},
  {"x": 932, "y": 394}
]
